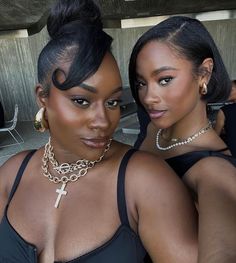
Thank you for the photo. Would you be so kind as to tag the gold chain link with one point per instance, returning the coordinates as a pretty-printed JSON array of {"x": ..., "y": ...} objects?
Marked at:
[{"x": 81, "y": 166}]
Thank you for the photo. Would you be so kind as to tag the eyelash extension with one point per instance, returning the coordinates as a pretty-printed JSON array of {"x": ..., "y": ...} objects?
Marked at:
[{"x": 137, "y": 84}]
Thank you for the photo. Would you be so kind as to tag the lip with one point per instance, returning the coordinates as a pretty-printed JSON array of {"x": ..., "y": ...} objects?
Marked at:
[
  {"x": 96, "y": 142},
  {"x": 156, "y": 114}
]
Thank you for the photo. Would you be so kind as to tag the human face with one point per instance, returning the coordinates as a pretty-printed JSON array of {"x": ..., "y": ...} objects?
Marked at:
[
  {"x": 166, "y": 85},
  {"x": 83, "y": 119}
]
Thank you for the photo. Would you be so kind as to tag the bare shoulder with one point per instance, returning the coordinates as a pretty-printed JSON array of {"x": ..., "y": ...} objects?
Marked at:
[
  {"x": 143, "y": 163},
  {"x": 148, "y": 173},
  {"x": 160, "y": 203},
  {"x": 9, "y": 170},
  {"x": 213, "y": 171}
]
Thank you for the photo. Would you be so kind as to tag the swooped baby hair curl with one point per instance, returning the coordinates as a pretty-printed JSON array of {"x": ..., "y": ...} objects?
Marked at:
[{"x": 77, "y": 38}]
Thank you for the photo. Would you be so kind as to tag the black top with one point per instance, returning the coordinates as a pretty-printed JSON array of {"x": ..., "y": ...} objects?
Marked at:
[
  {"x": 181, "y": 163},
  {"x": 124, "y": 247},
  {"x": 230, "y": 127}
]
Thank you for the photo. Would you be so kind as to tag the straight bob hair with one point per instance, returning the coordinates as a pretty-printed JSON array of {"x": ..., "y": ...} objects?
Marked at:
[{"x": 192, "y": 41}]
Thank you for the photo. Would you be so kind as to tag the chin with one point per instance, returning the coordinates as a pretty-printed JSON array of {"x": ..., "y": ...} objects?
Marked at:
[{"x": 161, "y": 124}]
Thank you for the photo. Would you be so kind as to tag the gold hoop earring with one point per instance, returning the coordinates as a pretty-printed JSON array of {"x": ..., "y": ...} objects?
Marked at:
[
  {"x": 40, "y": 123},
  {"x": 204, "y": 89}
]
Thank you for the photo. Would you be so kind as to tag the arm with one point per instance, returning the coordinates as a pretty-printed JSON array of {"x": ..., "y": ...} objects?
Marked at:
[
  {"x": 167, "y": 219},
  {"x": 216, "y": 188}
]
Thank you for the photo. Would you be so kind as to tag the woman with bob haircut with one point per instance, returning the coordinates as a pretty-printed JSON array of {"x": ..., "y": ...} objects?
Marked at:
[{"x": 175, "y": 70}]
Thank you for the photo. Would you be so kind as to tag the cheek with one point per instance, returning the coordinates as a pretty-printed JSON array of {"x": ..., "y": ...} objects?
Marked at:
[
  {"x": 115, "y": 118},
  {"x": 183, "y": 100},
  {"x": 185, "y": 89},
  {"x": 141, "y": 94},
  {"x": 64, "y": 118}
]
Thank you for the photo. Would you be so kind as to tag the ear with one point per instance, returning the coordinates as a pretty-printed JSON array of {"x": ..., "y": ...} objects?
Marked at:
[
  {"x": 40, "y": 97},
  {"x": 206, "y": 69}
]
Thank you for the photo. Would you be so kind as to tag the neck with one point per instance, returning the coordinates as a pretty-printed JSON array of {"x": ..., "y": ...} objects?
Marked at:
[
  {"x": 181, "y": 132},
  {"x": 181, "y": 142},
  {"x": 64, "y": 155},
  {"x": 189, "y": 124}
]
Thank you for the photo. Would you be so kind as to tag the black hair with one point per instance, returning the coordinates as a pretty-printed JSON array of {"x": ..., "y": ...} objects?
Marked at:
[
  {"x": 75, "y": 29},
  {"x": 190, "y": 39}
]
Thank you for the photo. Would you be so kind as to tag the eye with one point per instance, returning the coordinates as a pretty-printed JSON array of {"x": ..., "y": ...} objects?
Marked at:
[
  {"x": 139, "y": 84},
  {"x": 111, "y": 104},
  {"x": 165, "y": 81},
  {"x": 81, "y": 102}
]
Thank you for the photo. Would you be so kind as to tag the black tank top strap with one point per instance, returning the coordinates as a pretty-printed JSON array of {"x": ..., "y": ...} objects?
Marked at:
[
  {"x": 121, "y": 187},
  {"x": 222, "y": 150},
  {"x": 19, "y": 174}
]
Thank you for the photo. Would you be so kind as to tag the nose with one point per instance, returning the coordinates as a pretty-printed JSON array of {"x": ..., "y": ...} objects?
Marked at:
[
  {"x": 151, "y": 95},
  {"x": 100, "y": 118}
]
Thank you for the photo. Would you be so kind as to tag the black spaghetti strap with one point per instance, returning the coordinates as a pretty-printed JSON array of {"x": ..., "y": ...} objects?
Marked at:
[
  {"x": 222, "y": 150},
  {"x": 121, "y": 188},
  {"x": 20, "y": 173}
]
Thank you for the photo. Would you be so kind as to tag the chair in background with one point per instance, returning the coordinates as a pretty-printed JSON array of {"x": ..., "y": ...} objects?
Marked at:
[{"x": 10, "y": 127}]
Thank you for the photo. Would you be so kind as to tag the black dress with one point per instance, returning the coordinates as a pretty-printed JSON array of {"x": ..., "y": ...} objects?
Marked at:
[
  {"x": 230, "y": 127},
  {"x": 124, "y": 247}
]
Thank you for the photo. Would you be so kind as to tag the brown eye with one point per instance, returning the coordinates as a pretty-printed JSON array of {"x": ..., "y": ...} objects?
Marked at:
[
  {"x": 165, "y": 81},
  {"x": 139, "y": 84},
  {"x": 80, "y": 102},
  {"x": 113, "y": 103}
]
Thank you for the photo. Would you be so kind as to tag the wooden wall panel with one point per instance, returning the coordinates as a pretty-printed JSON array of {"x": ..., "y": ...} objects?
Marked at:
[
  {"x": 224, "y": 34},
  {"x": 18, "y": 59},
  {"x": 16, "y": 77},
  {"x": 124, "y": 40}
]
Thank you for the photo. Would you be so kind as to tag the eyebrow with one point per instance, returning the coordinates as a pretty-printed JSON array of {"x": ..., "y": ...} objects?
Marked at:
[
  {"x": 158, "y": 71},
  {"x": 94, "y": 90},
  {"x": 88, "y": 87},
  {"x": 117, "y": 90}
]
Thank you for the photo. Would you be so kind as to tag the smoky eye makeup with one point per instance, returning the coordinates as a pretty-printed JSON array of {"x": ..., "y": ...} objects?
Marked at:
[
  {"x": 80, "y": 101},
  {"x": 139, "y": 84},
  {"x": 113, "y": 103},
  {"x": 165, "y": 80}
]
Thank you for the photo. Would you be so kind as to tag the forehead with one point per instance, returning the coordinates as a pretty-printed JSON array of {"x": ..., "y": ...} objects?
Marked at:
[
  {"x": 158, "y": 51},
  {"x": 107, "y": 73},
  {"x": 156, "y": 55}
]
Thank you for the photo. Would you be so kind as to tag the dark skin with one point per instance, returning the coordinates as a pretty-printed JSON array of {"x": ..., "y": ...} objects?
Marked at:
[
  {"x": 171, "y": 93},
  {"x": 81, "y": 224}
]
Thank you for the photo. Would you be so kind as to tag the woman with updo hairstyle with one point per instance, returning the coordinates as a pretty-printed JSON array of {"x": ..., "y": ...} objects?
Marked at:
[
  {"x": 175, "y": 70},
  {"x": 84, "y": 197}
]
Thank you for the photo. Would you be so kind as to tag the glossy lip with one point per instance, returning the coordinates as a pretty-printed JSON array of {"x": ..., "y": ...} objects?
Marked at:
[
  {"x": 156, "y": 114},
  {"x": 98, "y": 143}
]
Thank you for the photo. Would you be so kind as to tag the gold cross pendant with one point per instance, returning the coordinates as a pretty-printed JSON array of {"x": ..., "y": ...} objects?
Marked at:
[{"x": 60, "y": 192}]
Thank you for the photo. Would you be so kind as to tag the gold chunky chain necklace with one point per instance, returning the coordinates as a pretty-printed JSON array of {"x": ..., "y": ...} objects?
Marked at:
[
  {"x": 181, "y": 142},
  {"x": 75, "y": 170}
]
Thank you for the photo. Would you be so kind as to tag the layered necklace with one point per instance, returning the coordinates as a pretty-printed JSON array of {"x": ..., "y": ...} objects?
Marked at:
[
  {"x": 74, "y": 170},
  {"x": 179, "y": 142}
]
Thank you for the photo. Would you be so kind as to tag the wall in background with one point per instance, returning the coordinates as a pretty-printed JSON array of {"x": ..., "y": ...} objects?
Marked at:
[
  {"x": 18, "y": 74},
  {"x": 18, "y": 60},
  {"x": 223, "y": 32}
]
